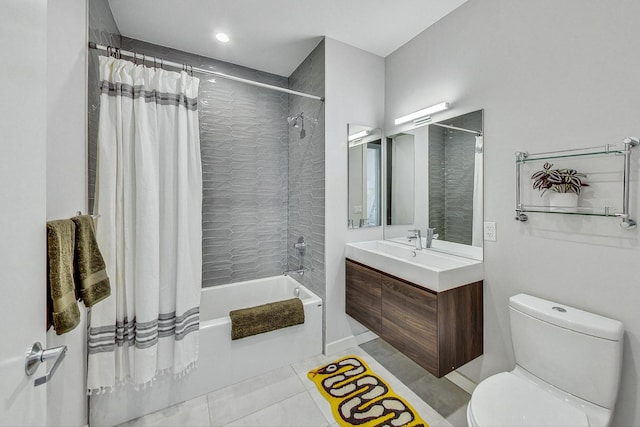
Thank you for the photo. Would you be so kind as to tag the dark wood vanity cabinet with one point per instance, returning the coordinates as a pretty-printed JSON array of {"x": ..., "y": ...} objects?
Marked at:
[
  {"x": 440, "y": 331},
  {"x": 363, "y": 295},
  {"x": 409, "y": 321}
]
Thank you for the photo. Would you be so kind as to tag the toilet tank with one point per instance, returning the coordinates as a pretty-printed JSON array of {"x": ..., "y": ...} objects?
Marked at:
[{"x": 576, "y": 351}]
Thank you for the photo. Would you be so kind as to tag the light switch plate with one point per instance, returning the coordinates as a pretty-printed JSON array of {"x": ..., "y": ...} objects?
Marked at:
[{"x": 490, "y": 231}]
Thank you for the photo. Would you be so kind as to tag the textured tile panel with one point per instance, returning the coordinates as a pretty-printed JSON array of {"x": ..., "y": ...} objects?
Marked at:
[
  {"x": 248, "y": 198},
  {"x": 102, "y": 30},
  {"x": 306, "y": 173},
  {"x": 451, "y": 173},
  {"x": 243, "y": 139},
  {"x": 436, "y": 180}
]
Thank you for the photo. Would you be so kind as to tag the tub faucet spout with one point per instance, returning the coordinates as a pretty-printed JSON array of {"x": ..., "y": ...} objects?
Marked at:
[{"x": 300, "y": 271}]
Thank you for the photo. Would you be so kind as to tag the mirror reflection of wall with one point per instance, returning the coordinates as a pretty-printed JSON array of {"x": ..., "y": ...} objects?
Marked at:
[{"x": 365, "y": 176}]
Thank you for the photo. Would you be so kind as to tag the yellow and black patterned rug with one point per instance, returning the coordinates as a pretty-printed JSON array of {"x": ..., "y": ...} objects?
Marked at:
[{"x": 359, "y": 397}]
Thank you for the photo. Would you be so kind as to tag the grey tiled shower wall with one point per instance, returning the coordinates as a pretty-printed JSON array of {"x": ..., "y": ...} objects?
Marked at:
[
  {"x": 306, "y": 172},
  {"x": 451, "y": 175},
  {"x": 436, "y": 178},
  {"x": 248, "y": 193},
  {"x": 102, "y": 30}
]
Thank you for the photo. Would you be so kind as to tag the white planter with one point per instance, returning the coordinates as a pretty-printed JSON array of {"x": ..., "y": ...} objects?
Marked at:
[{"x": 562, "y": 201}]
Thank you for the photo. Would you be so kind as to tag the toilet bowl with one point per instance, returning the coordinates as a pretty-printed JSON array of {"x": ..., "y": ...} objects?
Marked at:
[
  {"x": 517, "y": 398},
  {"x": 567, "y": 372}
]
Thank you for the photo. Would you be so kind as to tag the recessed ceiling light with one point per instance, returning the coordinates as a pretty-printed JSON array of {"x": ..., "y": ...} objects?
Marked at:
[{"x": 222, "y": 37}]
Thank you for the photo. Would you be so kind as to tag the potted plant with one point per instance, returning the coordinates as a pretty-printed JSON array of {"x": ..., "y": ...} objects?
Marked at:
[{"x": 565, "y": 185}]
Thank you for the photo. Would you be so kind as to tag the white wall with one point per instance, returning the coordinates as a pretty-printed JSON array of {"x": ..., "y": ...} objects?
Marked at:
[
  {"x": 354, "y": 94},
  {"x": 67, "y": 183},
  {"x": 66, "y": 108},
  {"x": 550, "y": 75},
  {"x": 22, "y": 199}
]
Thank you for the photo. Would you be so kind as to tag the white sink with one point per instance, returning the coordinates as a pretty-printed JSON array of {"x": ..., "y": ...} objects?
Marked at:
[{"x": 433, "y": 270}]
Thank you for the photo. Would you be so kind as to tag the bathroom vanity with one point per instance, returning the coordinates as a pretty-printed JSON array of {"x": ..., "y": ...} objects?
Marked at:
[
  {"x": 440, "y": 330},
  {"x": 423, "y": 296}
]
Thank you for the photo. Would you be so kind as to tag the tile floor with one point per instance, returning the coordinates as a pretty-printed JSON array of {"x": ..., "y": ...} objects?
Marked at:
[
  {"x": 445, "y": 397},
  {"x": 285, "y": 397}
]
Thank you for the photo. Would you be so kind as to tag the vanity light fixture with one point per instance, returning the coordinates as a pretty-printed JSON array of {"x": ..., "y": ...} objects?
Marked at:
[
  {"x": 358, "y": 135},
  {"x": 357, "y": 142},
  {"x": 422, "y": 116}
]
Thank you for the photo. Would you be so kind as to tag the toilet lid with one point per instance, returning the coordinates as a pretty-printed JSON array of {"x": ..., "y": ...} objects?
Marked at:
[{"x": 507, "y": 400}]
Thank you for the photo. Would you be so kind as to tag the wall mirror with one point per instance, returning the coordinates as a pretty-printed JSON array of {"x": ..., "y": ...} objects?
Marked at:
[
  {"x": 402, "y": 183},
  {"x": 365, "y": 176},
  {"x": 434, "y": 180}
]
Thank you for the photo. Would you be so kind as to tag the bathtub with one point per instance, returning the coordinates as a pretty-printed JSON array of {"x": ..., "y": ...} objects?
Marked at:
[{"x": 221, "y": 361}]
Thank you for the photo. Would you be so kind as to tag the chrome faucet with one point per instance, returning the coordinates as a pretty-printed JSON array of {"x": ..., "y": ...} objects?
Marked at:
[
  {"x": 300, "y": 271},
  {"x": 417, "y": 237},
  {"x": 430, "y": 236},
  {"x": 301, "y": 247}
]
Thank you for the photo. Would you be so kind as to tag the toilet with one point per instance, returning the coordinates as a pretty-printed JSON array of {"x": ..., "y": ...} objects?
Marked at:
[{"x": 567, "y": 373}]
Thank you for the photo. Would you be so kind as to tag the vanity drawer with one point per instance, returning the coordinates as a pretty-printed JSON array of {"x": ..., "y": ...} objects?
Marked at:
[
  {"x": 363, "y": 293},
  {"x": 409, "y": 321}
]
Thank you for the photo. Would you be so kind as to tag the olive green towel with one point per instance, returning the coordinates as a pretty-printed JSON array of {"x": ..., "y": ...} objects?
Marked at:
[
  {"x": 64, "y": 313},
  {"x": 265, "y": 318},
  {"x": 92, "y": 280}
]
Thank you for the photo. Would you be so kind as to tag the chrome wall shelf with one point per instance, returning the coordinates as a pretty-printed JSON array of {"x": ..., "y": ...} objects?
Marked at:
[{"x": 607, "y": 150}]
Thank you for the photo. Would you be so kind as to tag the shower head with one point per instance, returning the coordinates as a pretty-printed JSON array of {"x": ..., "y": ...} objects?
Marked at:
[{"x": 296, "y": 121}]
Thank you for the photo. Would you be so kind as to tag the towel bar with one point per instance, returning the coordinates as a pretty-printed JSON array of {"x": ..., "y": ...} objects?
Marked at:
[
  {"x": 78, "y": 213},
  {"x": 628, "y": 143}
]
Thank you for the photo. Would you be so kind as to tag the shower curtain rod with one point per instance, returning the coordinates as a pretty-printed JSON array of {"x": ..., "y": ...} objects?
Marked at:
[
  {"x": 457, "y": 128},
  {"x": 162, "y": 62}
]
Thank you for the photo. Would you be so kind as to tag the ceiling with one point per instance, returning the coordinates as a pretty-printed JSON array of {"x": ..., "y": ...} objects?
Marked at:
[{"x": 276, "y": 35}]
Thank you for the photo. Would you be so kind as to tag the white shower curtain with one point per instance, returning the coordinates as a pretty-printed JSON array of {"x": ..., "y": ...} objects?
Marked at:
[
  {"x": 478, "y": 228},
  {"x": 149, "y": 202}
]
